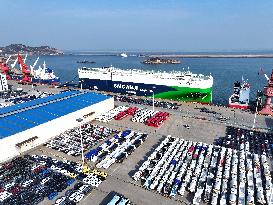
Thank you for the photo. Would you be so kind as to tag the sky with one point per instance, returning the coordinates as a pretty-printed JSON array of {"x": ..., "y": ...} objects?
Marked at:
[{"x": 163, "y": 25}]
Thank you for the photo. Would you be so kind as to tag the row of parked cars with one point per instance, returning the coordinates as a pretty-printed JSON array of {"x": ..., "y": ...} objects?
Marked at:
[
  {"x": 108, "y": 116},
  {"x": 74, "y": 195},
  {"x": 69, "y": 142},
  {"x": 149, "y": 117},
  {"x": 118, "y": 199},
  {"x": 140, "y": 101},
  {"x": 214, "y": 174},
  {"x": 157, "y": 119},
  {"x": 116, "y": 149},
  {"x": 26, "y": 181},
  {"x": 17, "y": 96},
  {"x": 143, "y": 115},
  {"x": 85, "y": 178},
  {"x": 130, "y": 111},
  {"x": 247, "y": 140}
]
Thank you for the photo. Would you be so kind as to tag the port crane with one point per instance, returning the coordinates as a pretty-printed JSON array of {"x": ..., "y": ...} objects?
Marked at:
[
  {"x": 268, "y": 93},
  {"x": 32, "y": 66},
  {"x": 26, "y": 72},
  {"x": 6, "y": 69}
]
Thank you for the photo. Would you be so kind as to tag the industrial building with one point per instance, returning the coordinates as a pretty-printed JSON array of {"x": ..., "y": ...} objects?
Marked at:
[
  {"x": 3, "y": 83},
  {"x": 27, "y": 125}
]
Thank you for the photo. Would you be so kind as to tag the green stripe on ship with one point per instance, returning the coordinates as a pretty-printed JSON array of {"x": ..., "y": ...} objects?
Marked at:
[{"x": 187, "y": 94}]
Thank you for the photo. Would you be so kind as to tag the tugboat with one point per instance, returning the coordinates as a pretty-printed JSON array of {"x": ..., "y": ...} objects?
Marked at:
[{"x": 240, "y": 97}]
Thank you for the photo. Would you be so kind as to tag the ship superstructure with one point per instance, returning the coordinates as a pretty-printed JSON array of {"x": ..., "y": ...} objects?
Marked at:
[
  {"x": 44, "y": 75},
  {"x": 180, "y": 86},
  {"x": 240, "y": 96}
]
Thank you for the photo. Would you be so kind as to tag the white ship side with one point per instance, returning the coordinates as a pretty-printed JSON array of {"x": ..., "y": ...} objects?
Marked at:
[{"x": 180, "y": 79}]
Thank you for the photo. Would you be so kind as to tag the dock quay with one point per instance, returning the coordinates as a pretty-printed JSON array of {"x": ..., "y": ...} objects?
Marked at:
[{"x": 187, "y": 124}]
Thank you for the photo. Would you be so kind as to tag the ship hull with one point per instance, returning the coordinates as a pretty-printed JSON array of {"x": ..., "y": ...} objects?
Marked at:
[
  {"x": 238, "y": 106},
  {"x": 53, "y": 81},
  {"x": 46, "y": 81},
  {"x": 177, "y": 93}
]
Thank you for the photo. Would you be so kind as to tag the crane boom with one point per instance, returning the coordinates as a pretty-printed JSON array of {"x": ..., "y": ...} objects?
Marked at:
[
  {"x": 35, "y": 63},
  {"x": 8, "y": 59},
  {"x": 25, "y": 70},
  {"x": 14, "y": 63},
  {"x": 265, "y": 75},
  {"x": 25, "y": 58},
  {"x": 32, "y": 66}
]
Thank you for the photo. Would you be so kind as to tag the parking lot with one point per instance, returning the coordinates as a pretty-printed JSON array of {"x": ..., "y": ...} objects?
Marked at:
[{"x": 187, "y": 123}]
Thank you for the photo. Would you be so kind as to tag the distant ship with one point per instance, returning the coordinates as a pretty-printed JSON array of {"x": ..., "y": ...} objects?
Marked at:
[
  {"x": 86, "y": 61},
  {"x": 123, "y": 55},
  {"x": 180, "y": 86},
  {"x": 240, "y": 97}
]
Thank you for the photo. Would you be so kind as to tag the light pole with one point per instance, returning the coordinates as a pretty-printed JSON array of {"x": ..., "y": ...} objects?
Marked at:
[
  {"x": 254, "y": 121},
  {"x": 153, "y": 99},
  {"x": 80, "y": 120}
]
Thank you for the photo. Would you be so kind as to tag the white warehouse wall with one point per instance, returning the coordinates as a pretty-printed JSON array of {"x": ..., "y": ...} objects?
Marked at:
[{"x": 50, "y": 129}]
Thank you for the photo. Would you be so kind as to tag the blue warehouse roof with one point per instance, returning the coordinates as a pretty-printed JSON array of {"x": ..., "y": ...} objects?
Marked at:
[{"x": 20, "y": 117}]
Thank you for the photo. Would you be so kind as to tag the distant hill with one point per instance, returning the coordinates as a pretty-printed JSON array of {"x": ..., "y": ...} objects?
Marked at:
[{"x": 20, "y": 48}]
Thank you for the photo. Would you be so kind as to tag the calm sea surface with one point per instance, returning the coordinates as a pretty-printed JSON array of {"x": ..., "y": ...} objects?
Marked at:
[{"x": 224, "y": 70}]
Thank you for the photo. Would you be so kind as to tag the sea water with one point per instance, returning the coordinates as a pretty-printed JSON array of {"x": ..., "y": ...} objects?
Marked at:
[{"x": 225, "y": 71}]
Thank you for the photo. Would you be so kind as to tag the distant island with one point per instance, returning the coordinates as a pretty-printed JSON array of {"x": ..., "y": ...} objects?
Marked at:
[
  {"x": 20, "y": 48},
  {"x": 157, "y": 60},
  {"x": 85, "y": 61},
  {"x": 212, "y": 56}
]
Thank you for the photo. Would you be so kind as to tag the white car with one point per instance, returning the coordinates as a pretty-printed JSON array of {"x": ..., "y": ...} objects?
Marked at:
[
  {"x": 76, "y": 197},
  {"x": 27, "y": 183},
  {"x": 4, "y": 195},
  {"x": 45, "y": 180},
  {"x": 60, "y": 201},
  {"x": 9, "y": 185}
]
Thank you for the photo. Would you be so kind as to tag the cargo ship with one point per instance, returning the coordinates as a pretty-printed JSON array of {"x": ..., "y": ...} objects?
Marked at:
[
  {"x": 240, "y": 97},
  {"x": 179, "y": 86},
  {"x": 44, "y": 75}
]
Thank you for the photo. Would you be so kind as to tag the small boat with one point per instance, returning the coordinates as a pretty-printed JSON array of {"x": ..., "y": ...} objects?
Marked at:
[
  {"x": 123, "y": 55},
  {"x": 240, "y": 97}
]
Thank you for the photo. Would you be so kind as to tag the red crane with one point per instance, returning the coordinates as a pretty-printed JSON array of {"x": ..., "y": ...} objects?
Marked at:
[
  {"x": 5, "y": 70},
  {"x": 26, "y": 72},
  {"x": 268, "y": 92}
]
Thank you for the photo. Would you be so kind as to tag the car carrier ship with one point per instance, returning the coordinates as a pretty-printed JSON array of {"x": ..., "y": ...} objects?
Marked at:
[{"x": 179, "y": 86}]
